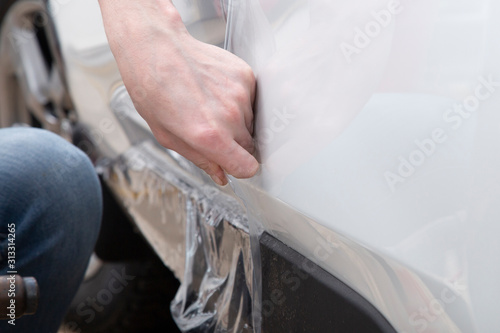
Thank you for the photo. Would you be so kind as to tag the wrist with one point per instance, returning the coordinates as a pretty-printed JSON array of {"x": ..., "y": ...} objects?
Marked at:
[
  {"x": 172, "y": 17},
  {"x": 132, "y": 17}
]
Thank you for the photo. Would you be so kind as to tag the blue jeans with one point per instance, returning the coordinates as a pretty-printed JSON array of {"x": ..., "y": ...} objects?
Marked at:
[{"x": 50, "y": 192}]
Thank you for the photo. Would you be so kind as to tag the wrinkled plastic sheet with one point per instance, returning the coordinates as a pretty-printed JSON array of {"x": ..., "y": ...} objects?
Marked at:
[{"x": 199, "y": 232}]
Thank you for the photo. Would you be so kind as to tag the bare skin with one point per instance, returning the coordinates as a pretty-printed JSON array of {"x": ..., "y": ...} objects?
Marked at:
[{"x": 196, "y": 98}]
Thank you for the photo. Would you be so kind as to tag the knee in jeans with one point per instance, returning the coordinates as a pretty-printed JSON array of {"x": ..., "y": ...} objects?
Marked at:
[
  {"x": 51, "y": 157},
  {"x": 44, "y": 164}
]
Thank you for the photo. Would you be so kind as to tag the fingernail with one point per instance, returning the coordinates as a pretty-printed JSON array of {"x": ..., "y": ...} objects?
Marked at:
[
  {"x": 217, "y": 180},
  {"x": 224, "y": 180}
]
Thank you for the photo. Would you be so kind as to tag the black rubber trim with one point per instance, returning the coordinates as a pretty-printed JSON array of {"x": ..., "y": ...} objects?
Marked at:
[{"x": 299, "y": 296}]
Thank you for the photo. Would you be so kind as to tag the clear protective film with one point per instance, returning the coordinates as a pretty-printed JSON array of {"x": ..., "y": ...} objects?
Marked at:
[{"x": 199, "y": 232}]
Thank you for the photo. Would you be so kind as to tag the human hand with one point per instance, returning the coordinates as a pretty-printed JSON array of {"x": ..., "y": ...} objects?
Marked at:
[{"x": 196, "y": 98}]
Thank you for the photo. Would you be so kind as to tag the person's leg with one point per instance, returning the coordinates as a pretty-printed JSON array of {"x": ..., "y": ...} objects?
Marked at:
[{"x": 50, "y": 192}]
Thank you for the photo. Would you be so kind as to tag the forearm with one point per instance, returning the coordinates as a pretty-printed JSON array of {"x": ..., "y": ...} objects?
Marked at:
[
  {"x": 159, "y": 13},
  {"x": 128, "y": 21}
]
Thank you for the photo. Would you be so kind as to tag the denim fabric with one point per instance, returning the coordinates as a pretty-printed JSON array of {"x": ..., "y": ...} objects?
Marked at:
[{"x": 50, "y": 192}]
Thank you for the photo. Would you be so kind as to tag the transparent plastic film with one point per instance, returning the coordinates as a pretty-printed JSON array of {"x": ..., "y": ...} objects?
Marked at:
[
  {"x": 198, "y": 231},
  {"x": 255, "y": 229}
]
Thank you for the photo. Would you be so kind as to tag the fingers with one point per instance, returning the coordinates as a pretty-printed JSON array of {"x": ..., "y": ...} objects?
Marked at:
[
  {"x": 237, "y": 162},
  {"x": 230, "y": 156},
  {"x": 231, "y": 148},
  {"x": 212, "y": 169},
  {"x": 250, "y": 116},
  {"x": 215, "y": 172},
  {"x": 245, "y": 140},
  {"x": 170, "y": 141},
  {"x": 215, "y": 151},
  {"x": 246, "y": 94}
]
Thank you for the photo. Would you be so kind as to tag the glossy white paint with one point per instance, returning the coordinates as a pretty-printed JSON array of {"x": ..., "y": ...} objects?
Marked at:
[
  {"x": 371, "y": 164},
  {"x": 363, "y": 126}
]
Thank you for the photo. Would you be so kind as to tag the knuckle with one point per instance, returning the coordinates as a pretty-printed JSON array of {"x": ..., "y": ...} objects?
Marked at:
[
  {"x": 241, "y": 95},
  {"x": 249, "y": 145},
  {"x": 204, "y": 165},
  {"x": 208, "y": 137},
  {"x": 164, "y": 139},
  {"x": 248, "y": 74},
  {"x": 233, "y": 114}
]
